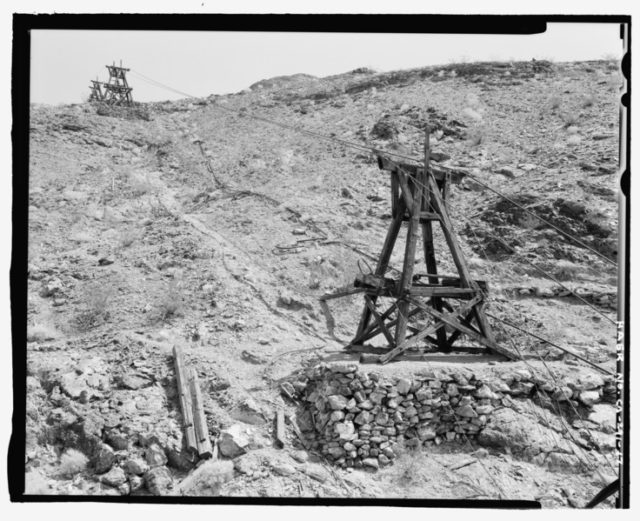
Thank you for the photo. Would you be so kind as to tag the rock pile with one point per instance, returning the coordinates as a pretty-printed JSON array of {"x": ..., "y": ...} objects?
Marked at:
[{"x": 362, "y": 419}]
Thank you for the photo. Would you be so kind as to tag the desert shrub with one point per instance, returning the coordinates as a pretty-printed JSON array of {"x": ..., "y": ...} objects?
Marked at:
[
  {"x": 159, "y": 211},
  {"x": 411, "y": 463},
  {"x": 95, "y": 302},
  {"x": 555, "y": 102},
  {"x": 72, "y": 462},
  {"x": 588, "y": 102},
  {"x": 570, "y": 119},
  {"x": 170, "y": 303},
  {"x": 141, "y": 184},
  {"x": 207, "y": 479},
  {"x": 475, "y": 137},
  {"x": 565, "y": 270},
  {"x": 127, "y": 238}
]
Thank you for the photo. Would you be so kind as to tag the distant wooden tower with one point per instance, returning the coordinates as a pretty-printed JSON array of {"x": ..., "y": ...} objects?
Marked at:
[
  {"x": 96, "y": 91},
  {"x": 116, "y": 90}
]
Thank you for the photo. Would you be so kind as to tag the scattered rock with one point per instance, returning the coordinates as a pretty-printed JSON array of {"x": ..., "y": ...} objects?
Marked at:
[
  {"x": 135, "y": 483},
  {"x": 300, "y": 456},
  {"x": 158, "y": 480},
  {"x": 589, "y": 398},
  {"x": 385, "y": 129},
  {"x": 51, "y": 288},
  {"x": 106, "y": 261},
  {"x": 289, "y": 301},
  {"x": 134, "y": 381},
  {"x": 155, "y": 456},
  {"x": 104, "y": 459},
  {"x": 507, "y": 172},
  {"x": 233, "y": 441},
  {"x": 315, "y": 471},
  {"x": 135, "y": 466},
  {"x": 248, "y": 411},
  {"x": 114, "y": 478},
  {"x": 284, "y": 469}
]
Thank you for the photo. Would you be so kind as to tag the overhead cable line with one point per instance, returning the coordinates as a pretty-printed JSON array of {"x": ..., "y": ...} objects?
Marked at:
[{"x": 373, "y": 150}]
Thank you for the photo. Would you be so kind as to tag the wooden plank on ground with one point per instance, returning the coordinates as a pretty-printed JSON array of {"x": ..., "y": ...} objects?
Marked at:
[
  {"x": 184, "y": 394},
  {"x": 280, "y": 432},
  {"x": 200, "y": 420}
]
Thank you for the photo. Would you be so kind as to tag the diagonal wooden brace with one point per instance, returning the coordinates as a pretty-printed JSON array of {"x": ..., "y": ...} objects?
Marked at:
[
  {"x": 379, "y": 320},
  {"x": 410, "y": 342},
  {"x": 452, "y": 320}
]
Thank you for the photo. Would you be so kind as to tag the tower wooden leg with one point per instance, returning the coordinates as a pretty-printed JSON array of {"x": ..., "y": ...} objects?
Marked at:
[
  {"x": 383, "y": 261},
  {"x": 407, "y": 268},
  {"x": 432, "y": 267}
]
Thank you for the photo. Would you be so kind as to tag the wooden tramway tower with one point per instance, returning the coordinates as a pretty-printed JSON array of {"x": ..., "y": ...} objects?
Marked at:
[
  {"x": 96, "y": 91},
  {"x": 117, "y": 90},
  {"x": 452, "y": 306}
]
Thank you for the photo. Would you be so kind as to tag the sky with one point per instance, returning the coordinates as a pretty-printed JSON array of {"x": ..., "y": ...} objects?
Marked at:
[{"x": 204, "y": 63}]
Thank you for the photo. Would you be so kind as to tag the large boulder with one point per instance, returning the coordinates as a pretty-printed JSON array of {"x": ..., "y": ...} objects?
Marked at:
[{"x": 521, "y": 434}]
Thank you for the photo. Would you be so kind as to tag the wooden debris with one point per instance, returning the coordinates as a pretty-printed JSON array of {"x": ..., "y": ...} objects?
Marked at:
[
  {"x": 298, "y": 432},
  {"x": 185, "y": 400},
  {"x": 200, "y": 421},
  {"x": 465, "y": 463},
  {"x": 287, "y": 390},
  {"x": 280, "y": 433}
]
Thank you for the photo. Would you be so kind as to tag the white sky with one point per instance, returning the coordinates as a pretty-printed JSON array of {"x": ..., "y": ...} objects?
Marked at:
[{"x": 203, "y": 63}]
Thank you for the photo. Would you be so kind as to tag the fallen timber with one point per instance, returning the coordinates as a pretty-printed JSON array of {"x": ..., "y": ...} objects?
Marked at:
[{"x": 196, "y": 431}]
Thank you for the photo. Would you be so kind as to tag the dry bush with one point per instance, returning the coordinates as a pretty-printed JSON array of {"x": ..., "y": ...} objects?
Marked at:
[
  {"x": 475, "y": 137},
  {"x": 141, "y": 184},
  {"x": 588, "y": 102},
  {"x": 95, "y": 302},
  {"x": 570, "y": 120},
  {"x": 565, "y": 270},
  {"x": 410, "y": 463},
  {"x": 555, "y": 102},
  {"x": 72, "y": 462},
  {"x": 171, "y": 303},
  {"x": 207, "y": 479},
  {"x": 128, "y": 237}
]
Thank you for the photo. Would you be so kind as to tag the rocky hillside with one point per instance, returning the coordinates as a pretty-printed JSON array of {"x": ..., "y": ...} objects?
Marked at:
[{"x": 184, "y": 223}]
